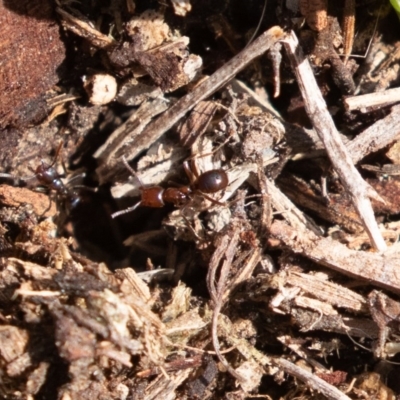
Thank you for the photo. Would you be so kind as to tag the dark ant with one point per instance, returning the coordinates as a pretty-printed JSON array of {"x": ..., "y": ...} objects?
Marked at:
[
  {"x": 48, "y": 177},
  {"x": 156, "y": 196}
]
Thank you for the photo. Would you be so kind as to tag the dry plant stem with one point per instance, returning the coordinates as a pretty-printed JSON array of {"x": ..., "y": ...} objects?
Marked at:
[
  {"x": 226, "y": 249},
  {"x": 377, "y": 269},
  {"x": 327, "y": 291},
  {"x": 158, "y": 127},
  {"x": 317, "y": 111},
  {"x": 84, "y": 30},
  {"x": 289, "y": 211},
  {"x": 250, "y": 353},
  {"x": 311, "y": 380},
  {"x": 245, "y": 272},
  {"x": 377, "y": 136},
  {"x": 372, "y": 100},
  {"x": 349, "y": 13},
  {"x": 266, "y": 207}
]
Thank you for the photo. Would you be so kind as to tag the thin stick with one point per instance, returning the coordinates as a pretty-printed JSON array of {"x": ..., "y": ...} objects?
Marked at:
[
  {"x": 376, "y": 269},
  {"x": 318, "y": 113},
  {"x": 377, "y": 136},
  {"x": 311, "y": 380},
  {"x": 368, "y": 101}
]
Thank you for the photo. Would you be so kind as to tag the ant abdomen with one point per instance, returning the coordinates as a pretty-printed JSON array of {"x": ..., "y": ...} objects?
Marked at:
[{"x": 212, "y": 181}]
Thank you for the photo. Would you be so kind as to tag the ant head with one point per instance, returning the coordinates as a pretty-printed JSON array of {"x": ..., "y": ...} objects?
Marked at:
[
  {"x": 40, "y": 170},
  {"x": 46, "y": 174}
]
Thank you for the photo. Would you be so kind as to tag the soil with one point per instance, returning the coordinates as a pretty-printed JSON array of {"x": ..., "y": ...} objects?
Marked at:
[{"x": 193, "y": 206}]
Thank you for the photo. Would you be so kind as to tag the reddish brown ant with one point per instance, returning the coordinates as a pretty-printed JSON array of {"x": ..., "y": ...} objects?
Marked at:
[{"x": 156, "y": 196}]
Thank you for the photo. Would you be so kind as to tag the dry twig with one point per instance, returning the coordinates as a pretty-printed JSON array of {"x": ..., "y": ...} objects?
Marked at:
[
  {"x": 358, "y": 189},
  {"x": 312, "y": 380},
  {"x": 376, "y": 137},
  {"x": 377, "y": 269},
  {"x": 374, "y": 100},
  {"x": 226, "y": 249}
]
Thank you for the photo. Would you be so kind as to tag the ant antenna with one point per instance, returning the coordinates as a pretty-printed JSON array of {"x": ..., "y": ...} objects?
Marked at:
[
  {"x": 259, "y": 24},
  {"x": 135, "y": 206},
  {"x": 56, "y": 155},
  {"x": 7, "y": 176},
  {"x": 131, "y": 170},
  {"x": 17, "y": 180},
  {"x": 126, "y": 211}
]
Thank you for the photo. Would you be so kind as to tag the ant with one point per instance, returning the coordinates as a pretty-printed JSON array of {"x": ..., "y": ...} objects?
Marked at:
[
  {"x": 47, "y": 176},
  {"x": 156, "y": 196}
]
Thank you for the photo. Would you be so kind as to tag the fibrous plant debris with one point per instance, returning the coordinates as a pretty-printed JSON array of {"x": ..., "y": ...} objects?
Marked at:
[{"x": 260, "y": 255}]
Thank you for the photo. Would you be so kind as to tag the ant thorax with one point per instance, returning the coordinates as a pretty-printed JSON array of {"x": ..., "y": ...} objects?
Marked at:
[
  {"x": 49, "y": 177},
  {"x": 177, "y": 196}
]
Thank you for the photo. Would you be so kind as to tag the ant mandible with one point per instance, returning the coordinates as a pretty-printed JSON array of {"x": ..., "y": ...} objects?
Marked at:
[{"x": 156, "y": 196}]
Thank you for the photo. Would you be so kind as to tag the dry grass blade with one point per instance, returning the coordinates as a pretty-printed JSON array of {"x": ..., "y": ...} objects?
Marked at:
[{"x": 348, "y": 27}]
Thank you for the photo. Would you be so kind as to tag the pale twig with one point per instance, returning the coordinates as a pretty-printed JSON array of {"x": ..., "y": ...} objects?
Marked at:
[
  {"x": 312, "y": 380},
  {"x": 359, "y": 191},
  {"x": 374, "y": 100},
  {"x": 377, "y": 269}
]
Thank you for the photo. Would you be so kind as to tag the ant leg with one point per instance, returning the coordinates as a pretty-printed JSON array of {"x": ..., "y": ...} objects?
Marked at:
[
  {"x": 88, "y": 188},
  {"x": 191, "y": 174},
  {"x": 126, "y": 211},
  {"x": 47, "y": 209},
  {"x": 57, "y": 154},
  {"x": 182, "y": 210},
  {"x": 218, "y": 148},
  {"x": 80, "y": 176},
  {"x": 216, "y": 202},
  {"x": 252, "y": 196},
  {"x": 15, "y": 179}
]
